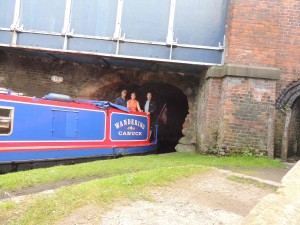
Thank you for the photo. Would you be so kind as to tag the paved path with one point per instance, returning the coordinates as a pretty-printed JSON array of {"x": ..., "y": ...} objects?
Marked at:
[{"x": 208, "y": 198}]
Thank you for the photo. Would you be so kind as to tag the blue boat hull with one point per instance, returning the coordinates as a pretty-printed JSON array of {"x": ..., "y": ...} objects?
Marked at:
[{"x": 31, "y": 155}]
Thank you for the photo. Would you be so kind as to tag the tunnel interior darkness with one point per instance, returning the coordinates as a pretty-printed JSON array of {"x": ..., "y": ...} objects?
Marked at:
[
  {"x": 177, "y": 110},
  {"x": 294, "y": 132}
]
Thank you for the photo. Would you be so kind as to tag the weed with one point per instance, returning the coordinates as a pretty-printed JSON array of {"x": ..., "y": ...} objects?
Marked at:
[
  {"x": 248, "y": 151},
  {"x": 213, "y": 150}
]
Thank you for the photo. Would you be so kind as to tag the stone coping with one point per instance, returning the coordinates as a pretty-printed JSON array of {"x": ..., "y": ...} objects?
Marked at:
[
  {"x": 282, "y": 207},
  {"x": 236, "y": 70}
]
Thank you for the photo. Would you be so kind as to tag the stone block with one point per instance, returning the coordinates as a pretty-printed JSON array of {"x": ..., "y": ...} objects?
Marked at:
[
  {"x": 189, "y": 133},
  {"x": 185, "y": 148},
  {"x": 186, "y": 140}
]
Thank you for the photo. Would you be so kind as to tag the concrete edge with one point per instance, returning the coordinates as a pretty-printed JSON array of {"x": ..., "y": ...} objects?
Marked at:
[
  {"x": 269, "y": 73},
  {"x": 268, "y": 182},
  {"x": 281, "y": 207}
]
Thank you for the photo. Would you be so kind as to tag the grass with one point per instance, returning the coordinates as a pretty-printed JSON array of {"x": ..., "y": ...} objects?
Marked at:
[
  {"x": 252, "y": 182},
  {"x": 49, "y": 208},
  {"x": 106, "y": 168},
  {"x": 7, "y": 210},
  {"x": 113, "y": 180}
]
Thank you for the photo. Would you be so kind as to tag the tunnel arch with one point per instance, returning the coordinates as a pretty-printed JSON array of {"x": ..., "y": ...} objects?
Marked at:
[
  {"x": 174, "y": 89},
  {"x": 177, "y": 107},
  {"x": 289, "y": 104},
  {"x": 289, "y": 95}
]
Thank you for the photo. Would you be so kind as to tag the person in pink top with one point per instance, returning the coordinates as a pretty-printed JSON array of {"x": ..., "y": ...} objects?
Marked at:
[{"x": 133, "y": 104}]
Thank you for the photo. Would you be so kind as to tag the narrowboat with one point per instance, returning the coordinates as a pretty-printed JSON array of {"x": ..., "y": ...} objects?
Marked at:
[{"x": 57, "y": 127}]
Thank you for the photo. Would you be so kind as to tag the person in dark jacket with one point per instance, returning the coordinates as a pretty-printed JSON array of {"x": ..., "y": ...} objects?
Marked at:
[
  {"x": 150, "y": 105},
  {"x": 122, "y": 99},
  {"x": 150, "y": 108}
]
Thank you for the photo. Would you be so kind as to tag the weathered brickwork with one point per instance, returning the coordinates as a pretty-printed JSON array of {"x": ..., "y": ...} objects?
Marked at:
[
  {"x": 32, "y": 76},
  {"x": 209, "y": 114},
  {"x": 247, "y": 106},
  {"x": 288, "y": 47},
  {"x": 236, "y": 114},
  {"x": 266, "y": 33},
  {"x": 288, "y": 58},
  {"x": 252, "y": 32}
]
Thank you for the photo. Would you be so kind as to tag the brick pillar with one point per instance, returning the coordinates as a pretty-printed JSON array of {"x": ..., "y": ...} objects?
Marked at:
[
  {"x": 208, "y": 114},
  {"x": 242, "y": 110}
]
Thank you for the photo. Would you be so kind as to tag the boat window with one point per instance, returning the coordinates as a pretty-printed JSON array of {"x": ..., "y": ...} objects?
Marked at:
[{"x": 6, "y": 120}]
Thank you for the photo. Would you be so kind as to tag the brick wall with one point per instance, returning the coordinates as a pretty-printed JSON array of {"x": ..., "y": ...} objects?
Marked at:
[
  {"x": 236, "y": 112},
  {"x": 32, "y": 75},
  {"x": 208, "y": 118},
  {"x": 252, "y": 32},
  {"x": 266, "y": 33},
  {"x": 288, "y": 47},
  {"x": 245, "y": 113},
  {"x": 287, "y": 59}
]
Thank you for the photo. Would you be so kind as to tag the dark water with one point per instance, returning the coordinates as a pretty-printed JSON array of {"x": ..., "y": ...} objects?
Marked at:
[{"x": 166, "y": 147}]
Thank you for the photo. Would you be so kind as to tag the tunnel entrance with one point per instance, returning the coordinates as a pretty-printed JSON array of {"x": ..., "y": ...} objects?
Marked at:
[
  {"x": 176, "y": 90},
  {"x": 163, "y": 93},
  {"x": 177, "y": 110},
  {"x": 294, "y": 133},
  {"x": 288, "y": 103}
]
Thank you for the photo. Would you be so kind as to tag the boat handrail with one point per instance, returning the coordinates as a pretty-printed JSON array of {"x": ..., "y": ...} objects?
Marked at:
[{"x": 9, "y": 92}]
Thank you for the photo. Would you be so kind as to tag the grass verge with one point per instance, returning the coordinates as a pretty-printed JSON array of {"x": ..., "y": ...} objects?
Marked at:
[
  {"x": 105, "y": 168},
  {"x": 48, "y": 208}
]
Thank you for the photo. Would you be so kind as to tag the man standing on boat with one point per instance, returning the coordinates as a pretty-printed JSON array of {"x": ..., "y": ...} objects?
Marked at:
[
  {"x": 122, "y": 99},
  {"x": 150, "y": 108}
]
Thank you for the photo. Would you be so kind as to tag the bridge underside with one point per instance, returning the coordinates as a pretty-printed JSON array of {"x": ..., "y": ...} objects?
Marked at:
[
  {"x": 177, "y": 31},
  {"x": 112, "y": 62}
]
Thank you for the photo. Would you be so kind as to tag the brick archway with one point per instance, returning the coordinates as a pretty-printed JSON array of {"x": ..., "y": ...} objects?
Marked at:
[
  {"x": 288, "y": 96},
  {"x": 288, "y": 102}
]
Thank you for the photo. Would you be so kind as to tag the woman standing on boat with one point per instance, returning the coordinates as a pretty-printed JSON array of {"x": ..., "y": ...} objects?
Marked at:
[{"x": 132, "y": 104}]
